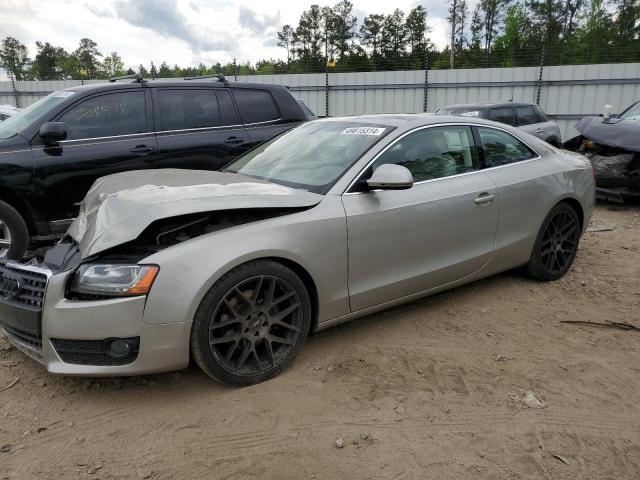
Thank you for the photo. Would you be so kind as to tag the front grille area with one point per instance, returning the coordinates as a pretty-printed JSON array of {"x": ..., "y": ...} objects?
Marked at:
[
  {"x": 93, "y": 352},
  {"x": 22, "y": 287},
  {"x": 22, "y": 336}
]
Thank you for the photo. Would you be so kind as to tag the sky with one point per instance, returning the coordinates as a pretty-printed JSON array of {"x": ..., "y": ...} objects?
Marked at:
[{"x": 183, "y": 32}]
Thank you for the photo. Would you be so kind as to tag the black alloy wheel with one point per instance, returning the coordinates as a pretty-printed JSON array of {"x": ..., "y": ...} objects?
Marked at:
[
  {"x": 557, "y": 244},
  {"x": 251, "y": 323}
]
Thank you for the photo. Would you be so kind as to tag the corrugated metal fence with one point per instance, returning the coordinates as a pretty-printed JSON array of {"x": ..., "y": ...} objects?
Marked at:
[{"x": 566, "y": 93}]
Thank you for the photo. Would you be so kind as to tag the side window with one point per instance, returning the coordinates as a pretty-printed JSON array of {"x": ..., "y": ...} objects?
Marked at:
[
  {"x": 188, "y": 108},
  {"x": 542, "y": 117},
  {"x": 107, "y": 116},
  {"x": 526, "y": 115},
  {"x": 228, "y": 115},
  {"x": 433, "y": 152},
  {"x": 501, "y": 148},
  {"x": 502, "y": 115},
  {"x": 256, "y": 105}
]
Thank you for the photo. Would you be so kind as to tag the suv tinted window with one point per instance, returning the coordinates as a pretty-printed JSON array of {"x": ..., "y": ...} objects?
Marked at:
[
  {"x": 188, "y": 108},
  {"x": 106, "y": 116},
  {"x": 526, "y": 115},
  {"x": 501, "y": 148},
  {"x": 433, "y": 152},
  {"x": 502, "y": 115},
  {"x": 256, "y": 106},
  {"x": 228, "y": 115}
]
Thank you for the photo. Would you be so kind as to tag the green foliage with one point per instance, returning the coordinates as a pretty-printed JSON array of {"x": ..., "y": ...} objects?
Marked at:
[
  {"x": 14, "y": 59},
  {"x": 499, "y": 33},
  {"x": 112, "y": 66}
]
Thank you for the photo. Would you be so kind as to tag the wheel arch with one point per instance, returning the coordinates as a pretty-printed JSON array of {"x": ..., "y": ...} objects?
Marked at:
[
  {"x": 295, "y": 266},
  {"x": 577, "y": 206},
  {"x": 308, "y": 281}
]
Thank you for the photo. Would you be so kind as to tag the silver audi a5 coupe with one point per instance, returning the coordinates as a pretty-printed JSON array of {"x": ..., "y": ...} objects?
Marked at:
[{"x": 333, "y": 220}]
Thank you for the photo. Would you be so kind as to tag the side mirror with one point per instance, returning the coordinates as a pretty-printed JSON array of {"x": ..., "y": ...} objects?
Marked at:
[
  {"x": 391, "y": 177},
  {"x": 52, "y": 132}
]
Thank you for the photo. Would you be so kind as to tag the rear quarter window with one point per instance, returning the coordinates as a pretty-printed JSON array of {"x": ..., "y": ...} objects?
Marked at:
[
  {"x": 502, "y": 115},
  {"x": 256, "y": 106},
  {"x": 527, "y": 116},
  {"x": 542, "y": 117},
  {"x": 502, "y": 148}
]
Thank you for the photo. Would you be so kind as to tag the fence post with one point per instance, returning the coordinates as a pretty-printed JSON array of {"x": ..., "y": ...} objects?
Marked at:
[
  {"x": 426, "y": 78},
  {"x": 16, "y": 98},
  {"x": 326, "y": 90},
  {"x": 540, "y": 75},
  {"x": 235, "y": 70}
]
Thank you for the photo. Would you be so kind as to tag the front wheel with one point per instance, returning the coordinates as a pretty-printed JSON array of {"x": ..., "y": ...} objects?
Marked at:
[
  {"x": 14, "y": 235},
  {"x": 251, "y": 323},
  {"x": 556, "y": 245}
]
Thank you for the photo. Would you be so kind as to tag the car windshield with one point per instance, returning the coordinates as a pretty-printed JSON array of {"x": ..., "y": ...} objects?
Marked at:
[
  {"x": 311, "y": 157},
  {"x": 22, "y": 119},
  {"x": 632, "y": 113}
]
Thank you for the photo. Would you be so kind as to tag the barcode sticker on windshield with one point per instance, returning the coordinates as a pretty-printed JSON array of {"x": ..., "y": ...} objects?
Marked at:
[{"x": 376, "y": 132}]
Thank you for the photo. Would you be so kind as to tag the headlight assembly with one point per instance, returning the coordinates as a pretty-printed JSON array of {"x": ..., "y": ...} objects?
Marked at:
[{"x": 113, "y": 280}]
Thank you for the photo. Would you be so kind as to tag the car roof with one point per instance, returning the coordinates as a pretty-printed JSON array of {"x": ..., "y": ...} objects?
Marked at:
[
  {"x": 408, "y": 121},
  {"x": 491, "y": 105},
  {"x": 103, "y": 86}
]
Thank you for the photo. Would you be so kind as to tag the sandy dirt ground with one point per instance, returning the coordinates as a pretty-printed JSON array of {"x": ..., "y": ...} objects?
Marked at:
[{"x": 436, "y": 389}]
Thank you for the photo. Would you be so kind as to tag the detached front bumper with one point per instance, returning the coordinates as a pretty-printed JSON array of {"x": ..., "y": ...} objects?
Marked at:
[{"x": 72, "y": 337}]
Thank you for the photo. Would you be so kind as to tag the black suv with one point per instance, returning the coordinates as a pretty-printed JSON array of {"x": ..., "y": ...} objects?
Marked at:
[{"x": 53, "y": 151}]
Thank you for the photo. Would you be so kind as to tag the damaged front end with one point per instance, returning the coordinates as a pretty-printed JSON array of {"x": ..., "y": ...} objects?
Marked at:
[
  {"x": 613, "y": 147},
  {"x": 80, "y": 309}
]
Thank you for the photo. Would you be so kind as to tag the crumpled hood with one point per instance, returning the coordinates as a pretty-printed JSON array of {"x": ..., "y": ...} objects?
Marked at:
[
  {"x": 119, "y": 207},
  {"x": 613, "y": 132}
]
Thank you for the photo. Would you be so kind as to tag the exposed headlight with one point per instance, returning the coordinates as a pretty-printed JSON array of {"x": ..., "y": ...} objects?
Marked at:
[{"x": 116, "y": 280}]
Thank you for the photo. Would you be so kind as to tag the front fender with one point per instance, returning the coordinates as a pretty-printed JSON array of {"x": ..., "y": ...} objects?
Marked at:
[{"x": 315, "y": 239}]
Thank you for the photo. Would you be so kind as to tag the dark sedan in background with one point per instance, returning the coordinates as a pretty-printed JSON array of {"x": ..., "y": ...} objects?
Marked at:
[{"x": 527, "y": 117}]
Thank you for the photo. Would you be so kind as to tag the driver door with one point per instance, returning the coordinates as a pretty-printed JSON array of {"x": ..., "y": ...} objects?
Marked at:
[
  {"x": 441, "y": 230},
  {"x": 106, "y": 133}
]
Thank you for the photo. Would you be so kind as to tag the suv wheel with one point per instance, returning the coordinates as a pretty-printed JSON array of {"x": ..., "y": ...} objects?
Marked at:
[
  {"x": 251, "y": 323},
  {"x": 556, "y": 245},
  {"x": 14, "y": 235}
]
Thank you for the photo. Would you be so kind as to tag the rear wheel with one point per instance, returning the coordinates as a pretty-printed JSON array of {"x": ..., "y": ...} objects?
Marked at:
[
  {"x": 14, "y": 235},
  {"x": 556, "y": 245},
  {"x": 251, "y": 324}
]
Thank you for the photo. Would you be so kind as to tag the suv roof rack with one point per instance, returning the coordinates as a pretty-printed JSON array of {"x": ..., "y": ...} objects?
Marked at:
[
  {"x": 218, "y": 76},
  {"x": 136, "y": 77}
]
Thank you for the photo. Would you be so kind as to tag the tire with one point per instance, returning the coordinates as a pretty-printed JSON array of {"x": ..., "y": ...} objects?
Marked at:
[
  {"x": 556, "y": 244},
  {"x": 553, "y": 141},
  {"x": 14, "y": 233},
  {"x": 251, "y": 323}
]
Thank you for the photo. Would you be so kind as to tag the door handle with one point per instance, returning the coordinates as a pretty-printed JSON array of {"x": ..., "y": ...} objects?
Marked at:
[
  {"x": 142, "y": 149},
  {"x": 539, "y": 130},
  {"x": 234, "y": 141},
  {"x": 484, "y": 198}
]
